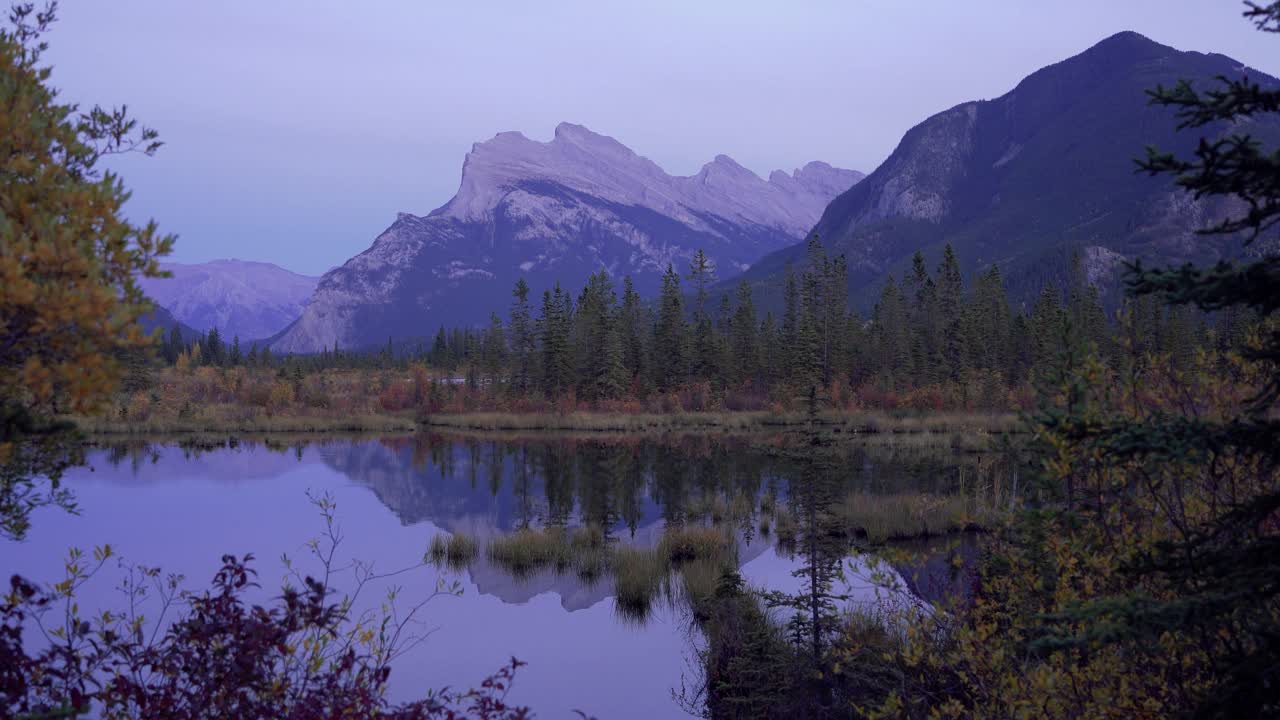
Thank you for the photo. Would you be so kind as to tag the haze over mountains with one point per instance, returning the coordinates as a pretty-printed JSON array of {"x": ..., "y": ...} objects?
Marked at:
[
  {"x": 555, "y": 211},
  {"x": 251, "y": 300},
  {"x": 1033, "y": 176}
]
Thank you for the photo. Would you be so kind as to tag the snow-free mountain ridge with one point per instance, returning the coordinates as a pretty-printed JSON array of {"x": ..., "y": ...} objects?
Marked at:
[
  {"x": 1036, "y": 176},
  {"x": 249, "y": 300}
]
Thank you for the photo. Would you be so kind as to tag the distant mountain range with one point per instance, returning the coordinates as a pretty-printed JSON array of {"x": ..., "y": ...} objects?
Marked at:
[
  {"x": 249, "y": 300},
  {"x": 1026, "y": 181},
  {"x": 555, "y": 211},
  {"x": 1030, "y": 178}
]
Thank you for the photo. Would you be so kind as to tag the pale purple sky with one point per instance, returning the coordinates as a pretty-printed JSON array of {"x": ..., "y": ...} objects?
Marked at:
[{"x": 297, "y": 130}]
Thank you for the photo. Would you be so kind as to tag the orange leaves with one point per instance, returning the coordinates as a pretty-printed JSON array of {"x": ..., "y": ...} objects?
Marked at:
[{"x": 69, "y": 301}]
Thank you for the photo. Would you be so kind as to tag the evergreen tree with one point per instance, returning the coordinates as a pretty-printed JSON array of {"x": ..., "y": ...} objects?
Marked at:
[
  {"x": 670, "y": 334},
  {"x": 703, "y": 360},
  {"x": 523, "y": 341},
  {"x": 215, "y": 352},
  {"x": 440, "y": 350},
  {"x": 173, "y": 345},
  {"x": 924, "y": 326},
  {"x": 494, "y": 352},
  {"x": 789, "y": 333},
  {"x": 553, "y": 326},
  {"x": 633, "y": 325},
  {"x": 744, "y": 337},
  {"x": 950, "y": 304},
  {"x": 891, "y": 337}
]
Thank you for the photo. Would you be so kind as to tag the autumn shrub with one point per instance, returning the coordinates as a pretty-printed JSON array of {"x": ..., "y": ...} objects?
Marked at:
[
  {"x": 396, "y": 396},
  {"x": 280, "y": 396},
  {"x": 221, "y": 657},
  {"x": 139, "y": 408}
]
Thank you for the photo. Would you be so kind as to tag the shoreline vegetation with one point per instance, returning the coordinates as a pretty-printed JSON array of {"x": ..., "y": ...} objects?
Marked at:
[
  {"x": 746, "y": 422},
  {"x": 239, "y": 399},
  {"x": 853, "y": 422}
]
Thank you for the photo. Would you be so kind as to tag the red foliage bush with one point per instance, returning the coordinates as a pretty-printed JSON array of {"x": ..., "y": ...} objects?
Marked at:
[{"x": 222, "y": 659}]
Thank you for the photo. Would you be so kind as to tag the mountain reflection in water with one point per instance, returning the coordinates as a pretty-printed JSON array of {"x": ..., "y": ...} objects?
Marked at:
[{"x": 180, "y": 505}]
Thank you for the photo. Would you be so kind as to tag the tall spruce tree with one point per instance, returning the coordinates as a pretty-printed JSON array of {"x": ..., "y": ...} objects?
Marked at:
[
  {"x": 670, "y": 334},
  {"x": 523, "y": 341},
  {"x": 633, "y": 324},
  {"x": 950, "y": 304},
  {"x": 744, "y": 336},
  {"x": 703, "y": 363}
]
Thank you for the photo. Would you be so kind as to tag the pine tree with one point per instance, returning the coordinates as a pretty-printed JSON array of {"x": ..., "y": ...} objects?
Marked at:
[
  {"x": 553, "y": 327},
  {"x": 924, "y": 327},
  {"x": 440, "y": 350},
  {"x": 789, "y": 333},
  {"x": 633, "y": 326},
  {"x": 891, "y": 337},
  {"x": 773, "y": 355},
  {"x": 212, "y": 350},
  {"x": 950, "y": 303},
  {"x": 523, "y": 342},
  {"x": 701, "y": 273},
  {"x": 494, "y": 351},
  {"x": 988, "y": 331},
  {"x": 670, "y": 334},
  {"x": 173, "y": 345},
  {"x": 744, "y": 336}
]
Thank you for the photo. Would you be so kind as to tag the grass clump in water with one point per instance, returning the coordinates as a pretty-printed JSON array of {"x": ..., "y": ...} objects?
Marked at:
[
  {"x": 639, "y": 576},
  {"x": 456, "y": 551},
  {"x": 528, "y": 551},
  {"x": 880, "y": 518},
  {"x": 688, "y": 543}
]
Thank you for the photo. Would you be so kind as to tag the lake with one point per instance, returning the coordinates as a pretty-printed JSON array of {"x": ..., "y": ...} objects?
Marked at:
[{"x": 182, "y": 505}]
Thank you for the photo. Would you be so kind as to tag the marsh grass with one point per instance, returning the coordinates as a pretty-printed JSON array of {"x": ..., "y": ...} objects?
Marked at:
[
  {"x": 900, "y": 516},
  {"x": 247, "y": 423},
  {"x": 699, "y": 579},
  {"x": 640, "y": 575},
  {"x": 681, "y": 544},
  {"x": 695, "y": 554},
  {"x": 857, "y": 422},
  {"x": 455, "y": 552},
  {"x": 527, "y": 551}
]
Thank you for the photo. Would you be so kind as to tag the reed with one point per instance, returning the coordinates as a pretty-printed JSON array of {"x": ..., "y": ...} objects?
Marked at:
[
  {"x": 856, "y": 422},
  {"x": 881, "y": 518},
  {"x": 639, "y": 576},
  {"x": 687, "y": 543},
  {"x": 527, "y": 551},
  {"x": 455, "y": 551}
]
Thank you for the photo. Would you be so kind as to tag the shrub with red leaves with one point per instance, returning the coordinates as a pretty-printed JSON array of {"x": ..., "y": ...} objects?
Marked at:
[{"x": 224, "y": 658}]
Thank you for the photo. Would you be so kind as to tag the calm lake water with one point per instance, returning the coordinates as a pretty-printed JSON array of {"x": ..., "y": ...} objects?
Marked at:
[{"x": 181, "y": 508}]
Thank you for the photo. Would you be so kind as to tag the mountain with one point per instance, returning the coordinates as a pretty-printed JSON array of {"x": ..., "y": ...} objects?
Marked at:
[
  {"x": 251, "y": 300},
  {"x": 555, "y": 211},
  {"x": 1030, "y": 178},
  {"x": 164, "y": 321}
]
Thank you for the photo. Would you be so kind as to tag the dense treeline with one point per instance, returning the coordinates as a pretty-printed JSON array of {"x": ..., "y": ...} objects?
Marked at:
[{"x": 932, "y": 340}]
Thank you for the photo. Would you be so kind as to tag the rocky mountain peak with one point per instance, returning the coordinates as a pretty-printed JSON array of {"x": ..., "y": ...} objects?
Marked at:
[
  {"x": 585, "y": 161},
  {"x": 549, "y": 212}
]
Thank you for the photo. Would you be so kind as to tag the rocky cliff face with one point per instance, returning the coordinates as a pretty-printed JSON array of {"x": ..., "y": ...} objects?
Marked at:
[
  {"x": 555, "y": 212},
  {"x": 251, "y": 300},
  {"x": 1039, "y": 174}
]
